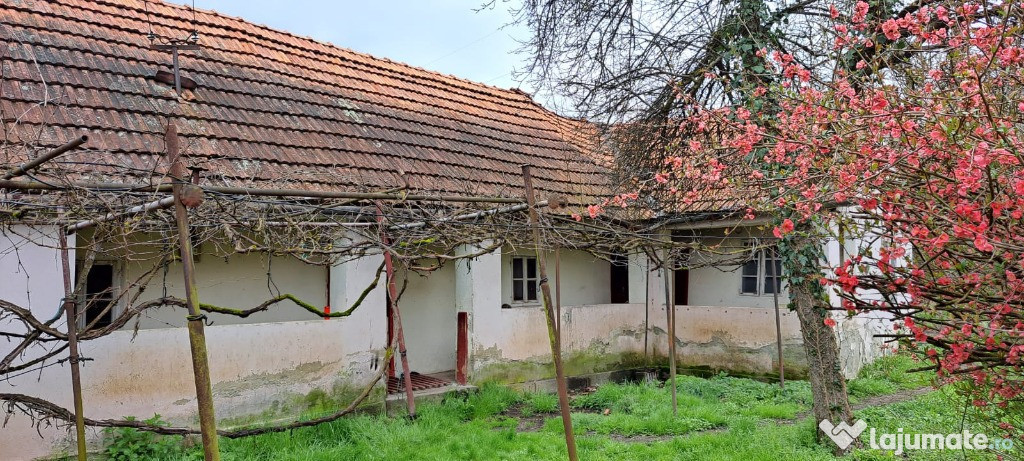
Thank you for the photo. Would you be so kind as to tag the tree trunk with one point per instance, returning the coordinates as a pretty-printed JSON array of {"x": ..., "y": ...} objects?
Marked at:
[{"x": 828, "y": 386}]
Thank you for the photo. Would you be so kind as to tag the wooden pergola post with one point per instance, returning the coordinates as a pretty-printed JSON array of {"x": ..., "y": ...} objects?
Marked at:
[
  {"x": 778, "y": 318},
  {"x": 549, "y": 314},
  {"x": 670, "y": 314},
  {"x": 71, "y": 314},
  {"x": 196, "y": 327}
]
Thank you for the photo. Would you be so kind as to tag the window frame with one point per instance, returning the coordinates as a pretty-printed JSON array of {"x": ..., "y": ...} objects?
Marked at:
[
  {"x": 116, "y": 284},
  {"x": 773, "y": 257},
  {"x": 760, "y": 261},
  {"x": 525, "y": 279},
  {"x": 744, "y": 276}
]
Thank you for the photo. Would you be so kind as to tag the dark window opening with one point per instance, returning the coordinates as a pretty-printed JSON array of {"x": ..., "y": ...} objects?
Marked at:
[
  {"x": 524, "y": 279},
  {"x": 681, "y": 276},
  {"x": 99, "y": 296},
  {"x": 682, "y": 287},
  {"x": 619, "y": 279}
]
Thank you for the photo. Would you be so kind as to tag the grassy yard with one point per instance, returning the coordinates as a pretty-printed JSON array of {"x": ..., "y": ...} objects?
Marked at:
[{"x": 721, "y": 418}]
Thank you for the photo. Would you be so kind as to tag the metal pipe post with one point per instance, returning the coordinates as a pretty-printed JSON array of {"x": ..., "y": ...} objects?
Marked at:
[
  {"x": 196, "y": 327},
  {"x": 670, "y": 320},
  {"x": 70, "y": 311},
  {"x": 396, "y": 319},
  {"x": 778, "y": 321},
  {"x": 29, "y": 165},
  {"x": 549, "y": 313}
]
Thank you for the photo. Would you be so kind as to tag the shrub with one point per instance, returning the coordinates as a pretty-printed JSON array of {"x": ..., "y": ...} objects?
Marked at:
[{"x": 130, "y": 444}]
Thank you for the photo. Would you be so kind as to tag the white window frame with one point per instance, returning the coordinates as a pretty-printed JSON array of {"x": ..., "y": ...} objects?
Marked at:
[
  {"x": 528, "y": 297},
  {"x": 761, "y": 260}
]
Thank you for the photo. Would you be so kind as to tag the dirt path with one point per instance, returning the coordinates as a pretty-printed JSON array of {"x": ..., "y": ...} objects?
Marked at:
[
  {"x": 901, "y": 396},
  {"x": 877, "y": 400}
]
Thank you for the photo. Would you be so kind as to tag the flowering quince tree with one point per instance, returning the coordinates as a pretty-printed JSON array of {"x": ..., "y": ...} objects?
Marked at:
[{"x": 915, "y": 150}]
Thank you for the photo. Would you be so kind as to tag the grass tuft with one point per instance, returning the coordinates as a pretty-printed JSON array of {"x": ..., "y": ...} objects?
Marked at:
[{"x": 719, "y": 418}]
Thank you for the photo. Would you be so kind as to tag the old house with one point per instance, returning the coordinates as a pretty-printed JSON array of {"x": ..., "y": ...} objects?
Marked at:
[{"x": 267, "y": 109}]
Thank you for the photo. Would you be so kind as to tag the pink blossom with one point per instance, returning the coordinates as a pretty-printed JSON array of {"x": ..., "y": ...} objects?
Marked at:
[
  {"x": 891, "y": 29},
  {"x": 860, "y": 12}
]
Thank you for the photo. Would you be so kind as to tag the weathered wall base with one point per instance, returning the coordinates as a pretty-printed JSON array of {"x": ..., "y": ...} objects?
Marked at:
[{"x": 595, "y": 338}]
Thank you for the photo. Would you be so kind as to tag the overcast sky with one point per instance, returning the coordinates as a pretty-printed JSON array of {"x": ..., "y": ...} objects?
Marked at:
[{"x": 442, "y": 35}]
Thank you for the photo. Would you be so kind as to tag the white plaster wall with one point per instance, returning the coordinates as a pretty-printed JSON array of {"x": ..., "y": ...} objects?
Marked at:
[
  {"x": 367, "y": 327},
  {"x": 585, "y": 279},
  {"x": 722, "y": 328},
  {"x": 740, "y": 339},
  {"x": 639, "y": 270},
  {"x": 715, "y": 283},
  {"x": 526, "y": 335},
  {"x": 711, "y": 286},
  {"x": 254, "y": 367},
  {"x": 519, "y": 334},
  {"x": 31, "y": 274},
  {"x": 429, "y": 319},
  {"x": 609, "y": 330},
  {"x": 238, "y": 281},
  {"x": 475, "y": 293},
  {"x": 857, "y": 344}
]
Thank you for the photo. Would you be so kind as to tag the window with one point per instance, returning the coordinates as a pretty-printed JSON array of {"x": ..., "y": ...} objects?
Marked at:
[
  {"x": 772, "y": 271},
  {"x": 619, "y": 282},
  {"x": 524, "y": 279},
  {"x": 100, "y": 288},
  {"x": 757, "y": 275}
]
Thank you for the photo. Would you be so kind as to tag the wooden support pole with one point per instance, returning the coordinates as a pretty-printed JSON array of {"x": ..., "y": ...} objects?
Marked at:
[
  {"x": 70, "y": 312},
  {"x": 258, "y": 192},
  {"x": 670, "y": 320},
  {"x": 558, "y": 293},
  {"x": 196, "y": 327},
  {"x": 32, "y": 164},
  {"x": 549, "y": 313},
  {"x": 396, "y": 319},
  {"x": 778, "y": 318}
]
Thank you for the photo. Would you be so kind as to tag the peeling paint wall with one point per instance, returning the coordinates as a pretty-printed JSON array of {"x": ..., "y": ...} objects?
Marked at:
[
  {"x": 512, "y": 345},
  {"x": 151, "y": 374},
  {"x": 595, "y": 338},
  {"x": 260, "y": 371},
  {"x": 738, "y": 339},
  {"x": 272, "y": 370},
  {"x": 857, "y": 345}
]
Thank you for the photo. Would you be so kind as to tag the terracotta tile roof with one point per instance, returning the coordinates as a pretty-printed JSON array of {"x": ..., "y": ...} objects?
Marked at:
[{"x": 272, "y": 109}]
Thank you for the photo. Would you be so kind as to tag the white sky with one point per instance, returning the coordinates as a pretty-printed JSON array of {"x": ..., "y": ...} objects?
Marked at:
[{"x": 443, "y": 35}]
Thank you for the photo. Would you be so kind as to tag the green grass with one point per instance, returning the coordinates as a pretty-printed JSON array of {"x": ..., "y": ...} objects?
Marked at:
[
  {"x": 539, "y": 402},
  {"x": 887, "y": 375},
  {"x": 720, "y": 418}
]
